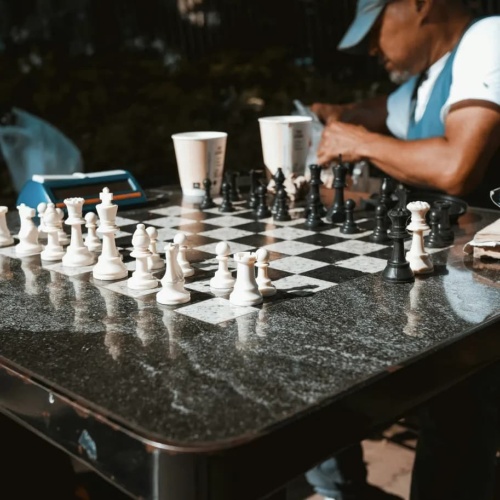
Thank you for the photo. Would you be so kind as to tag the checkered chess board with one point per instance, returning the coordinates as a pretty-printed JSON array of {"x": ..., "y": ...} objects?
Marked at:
[{"x": 303, "y": 261}]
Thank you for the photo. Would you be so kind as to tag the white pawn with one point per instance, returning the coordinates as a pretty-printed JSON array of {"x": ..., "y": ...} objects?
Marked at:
[
  {"x": 154, "y": 261},
  {"x": 222, "y": 279},
  {"x": 5, "y": 237},
  {"x": 28, "y": 233},
  {"x": 181, "y": 239},
  {"x": 420, "y": 261},
  {"x": 63, "y": 237},
  {"x": 77, "y": 254},
  {"x": 246, "y": 291},
  {"x": 40, "y": 208},
  {"x": 141, "y": 278},
  {"x": 266, "y": 288},
  {"x": 50, "y": 220},
  {"x": 92, "y": 241},
  {"x": 173, "y": 291}
]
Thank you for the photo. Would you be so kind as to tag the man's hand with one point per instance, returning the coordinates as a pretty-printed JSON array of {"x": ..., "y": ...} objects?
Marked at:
[
  {"x": 328, "y": 112},
  {"x": 371, "y": 113},
  {"x": 341, "y": 139}
]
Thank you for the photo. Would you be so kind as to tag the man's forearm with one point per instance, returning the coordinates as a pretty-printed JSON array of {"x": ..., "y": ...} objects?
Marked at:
[
  {"x": 430, "y": 163},
  {"x": 370, "y": 113}
]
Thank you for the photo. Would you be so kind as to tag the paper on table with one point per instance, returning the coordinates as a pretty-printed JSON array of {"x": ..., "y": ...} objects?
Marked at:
[{"x": 486, "y": 242}]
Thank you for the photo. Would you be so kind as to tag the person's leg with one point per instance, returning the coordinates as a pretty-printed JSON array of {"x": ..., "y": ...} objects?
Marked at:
[
  {"x": 341, "y": 477},
  {"x": 457, "y": 442}
]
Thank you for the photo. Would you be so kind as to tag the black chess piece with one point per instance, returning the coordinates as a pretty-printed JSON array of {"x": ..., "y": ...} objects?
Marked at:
[
  {"x": 282, "y": 213},
  {"x": 232, "y": 179},
  {"x": 314, "y": 190},
  {"x": 279, "y": 179},
  {"x": 444, "y": 227},
  {"x": 314, "y": 212},
  {"x": 386, "y": 190},
  {"x": 349, "y": 226},
  {"x": 336, "y": 213},
  {"x": 433, "y": 239},
  {"x": 255, "y": 175},
  {"x": 262, "y": 210},
  {"x": 380, "y": 233},
  {"x": 403, "y": 196},
  {"x": 398, "y": 269},
  {"x": 226, "y": 205},
  {"x": 207, "y": 201}
]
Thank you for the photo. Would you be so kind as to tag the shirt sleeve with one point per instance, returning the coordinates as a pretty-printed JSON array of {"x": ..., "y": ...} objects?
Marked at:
[
  {"x": 476, "y": 68},
  {"x": 398, "y": 109}
]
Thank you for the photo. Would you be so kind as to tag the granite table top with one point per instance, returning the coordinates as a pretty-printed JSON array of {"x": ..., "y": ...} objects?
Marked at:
[{"x": 190, "y": 385}]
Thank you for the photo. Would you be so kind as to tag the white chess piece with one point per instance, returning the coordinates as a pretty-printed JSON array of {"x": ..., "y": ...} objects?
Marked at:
[
  {"x": 173, "y": 291},
  {"x": 28, "y": 233},
  {"x": 141, "y": 278},
  {"x": 109, "y": 265},
  {"x": 420, "y": 261},
  {"x": 5, "y": 237},
  {"x": 77, "y": 254},
  {"x": 155, "y": 261},
  {"x": 63, "y": 237},
  {"x": 50, "y": 222},
  {"x": 266, "y": 288},
  {"x": 222, "y": 279},
  {"x": 92, "y": 241},
  {"x": 246, "y": 291},
  {"x": 181, "y": 239},
  {"x": 40, "y": 208}
]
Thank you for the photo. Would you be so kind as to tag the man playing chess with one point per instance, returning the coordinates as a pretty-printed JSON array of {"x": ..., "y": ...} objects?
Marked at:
[{"x": 440, "y": 130}]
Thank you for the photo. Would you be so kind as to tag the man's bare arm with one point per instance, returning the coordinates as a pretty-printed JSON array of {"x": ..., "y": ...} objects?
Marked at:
[
  {"x": 370, "y": 113},
  {"x": 455, "y": 163}
]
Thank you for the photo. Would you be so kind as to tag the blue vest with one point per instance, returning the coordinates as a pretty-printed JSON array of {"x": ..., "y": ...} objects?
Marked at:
[{"x": 430, "y": 125}]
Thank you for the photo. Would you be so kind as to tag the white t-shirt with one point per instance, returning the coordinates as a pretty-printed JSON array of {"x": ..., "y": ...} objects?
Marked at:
[{"x": 475, "y": 75}]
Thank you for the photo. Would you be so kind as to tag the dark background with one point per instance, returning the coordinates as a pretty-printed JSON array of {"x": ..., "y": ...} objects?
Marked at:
[{"x": 119, "y": 77}]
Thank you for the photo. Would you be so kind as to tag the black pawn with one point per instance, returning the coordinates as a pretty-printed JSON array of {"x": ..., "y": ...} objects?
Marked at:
[
  {"x": 314, "y": 191},
  {"x": 262, "y": 211},
  {"x": 433, "y": 239},
  {"x": 349, "y": 226},
  {"x": 253, "y": 201},
  {"x": 232, "y": 179},
  {"x": 398, "y": 269},
  {"x": 282, "y": 207},
  {"x": 207, "y": 201},
  {"x": 314, "y": 213},
  {"x": 386, "y": 189},
  {"x": 445, "y": 231},
  {"x": 380, "y": 233},
  {"x": 226, "y": 205},
  {"x": 279, "y": 179},
  {"x": 403, "y": 195},
  {"x": 336, "y": 213}
]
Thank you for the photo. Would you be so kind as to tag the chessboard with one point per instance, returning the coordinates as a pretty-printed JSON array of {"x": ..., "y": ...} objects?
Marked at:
[{"x": 303, "y": 261}]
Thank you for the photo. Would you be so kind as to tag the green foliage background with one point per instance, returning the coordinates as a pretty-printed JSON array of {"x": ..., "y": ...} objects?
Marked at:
[{"x": 122, "y": 108}]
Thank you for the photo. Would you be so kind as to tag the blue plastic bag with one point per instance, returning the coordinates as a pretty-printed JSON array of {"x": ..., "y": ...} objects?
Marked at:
[{"x": 33, "y": 146}]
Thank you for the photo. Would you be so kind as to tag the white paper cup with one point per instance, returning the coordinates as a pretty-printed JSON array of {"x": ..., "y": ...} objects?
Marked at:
[
  {"x": 285, "y": 142},
  {"x": 200, "y": 155}
]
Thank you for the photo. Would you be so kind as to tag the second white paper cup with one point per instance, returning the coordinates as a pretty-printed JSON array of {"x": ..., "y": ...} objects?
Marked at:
[
  {"x": 200, "y": 155},
  {"x": 285, "y": 142}
]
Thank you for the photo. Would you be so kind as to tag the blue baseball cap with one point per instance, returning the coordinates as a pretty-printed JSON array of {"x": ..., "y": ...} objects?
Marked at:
[{"x": 367, "y": 12}]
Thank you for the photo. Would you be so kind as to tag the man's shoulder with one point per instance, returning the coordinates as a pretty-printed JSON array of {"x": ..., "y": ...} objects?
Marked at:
[{"x": 485, "y": 30}]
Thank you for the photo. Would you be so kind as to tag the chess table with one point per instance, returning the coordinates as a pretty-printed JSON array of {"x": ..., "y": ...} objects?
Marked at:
[{"x": 219, "y": 403}]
